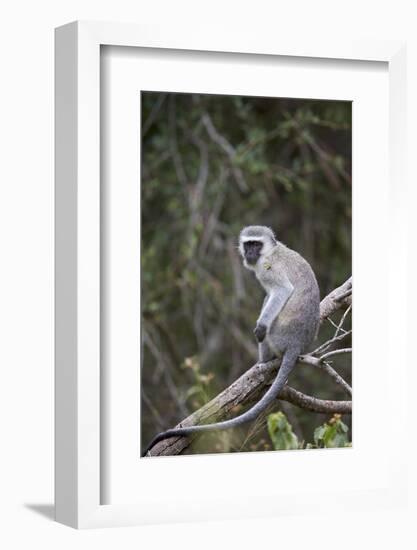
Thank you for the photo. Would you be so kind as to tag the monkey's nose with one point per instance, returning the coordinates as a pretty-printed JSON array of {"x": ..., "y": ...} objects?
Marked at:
[{"x": 251, "y": 258}]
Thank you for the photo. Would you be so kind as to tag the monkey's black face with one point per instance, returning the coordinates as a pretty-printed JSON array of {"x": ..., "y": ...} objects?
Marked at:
[{"x": 252, "y": 251}]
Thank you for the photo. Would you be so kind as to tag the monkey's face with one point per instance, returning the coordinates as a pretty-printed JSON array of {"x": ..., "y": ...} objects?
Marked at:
[
  {"x": 252, "y": 251},
  {"x": 255, "y": 241}
]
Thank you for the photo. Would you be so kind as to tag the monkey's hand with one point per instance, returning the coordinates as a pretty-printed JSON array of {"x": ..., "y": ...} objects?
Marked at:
[{"x": 260, "y": 332}]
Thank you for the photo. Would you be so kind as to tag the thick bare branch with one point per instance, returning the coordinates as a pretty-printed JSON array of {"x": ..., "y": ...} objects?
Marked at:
[{"x": 252, "y": 384}]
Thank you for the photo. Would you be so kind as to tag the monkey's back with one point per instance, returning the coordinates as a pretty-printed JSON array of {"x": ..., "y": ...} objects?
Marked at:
[{"x": 297, "y": 324}]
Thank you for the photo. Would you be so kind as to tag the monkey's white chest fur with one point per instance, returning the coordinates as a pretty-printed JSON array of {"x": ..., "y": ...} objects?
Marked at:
[{"x": 266, "y": 274}]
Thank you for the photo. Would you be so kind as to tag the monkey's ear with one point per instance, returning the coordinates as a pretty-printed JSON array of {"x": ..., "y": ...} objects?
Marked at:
[{"x": 273, "y": 235}]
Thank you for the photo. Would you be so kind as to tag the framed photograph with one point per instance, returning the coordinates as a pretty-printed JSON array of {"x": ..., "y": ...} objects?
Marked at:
[{"x": 216, "y": 197}]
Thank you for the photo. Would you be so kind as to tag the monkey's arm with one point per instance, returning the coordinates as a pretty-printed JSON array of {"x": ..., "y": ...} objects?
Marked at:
[{"x": 272, "y": 308}]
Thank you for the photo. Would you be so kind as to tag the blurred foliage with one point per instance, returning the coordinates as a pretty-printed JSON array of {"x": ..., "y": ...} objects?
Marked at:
[
  {"x": 333, "y": 433},
  {"x": 280, "y": 432},
  {"x": 211, "y": 165}
]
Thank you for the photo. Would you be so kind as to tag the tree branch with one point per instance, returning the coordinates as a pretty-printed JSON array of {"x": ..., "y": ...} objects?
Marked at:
[
  {"x": 252, "y": 384},
  {"x": 341, "y": 296},
  {"x": 314, "y": 404},
  {"x": 227, "y": 147},
  {"x": 324, "y": 347},
  {"x": 335, "y": 352},
  {"x": 320, "y": 363}
]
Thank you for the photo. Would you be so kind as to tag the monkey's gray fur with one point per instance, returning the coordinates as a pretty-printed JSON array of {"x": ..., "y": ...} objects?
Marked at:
[{"x": 289, "y": 318}]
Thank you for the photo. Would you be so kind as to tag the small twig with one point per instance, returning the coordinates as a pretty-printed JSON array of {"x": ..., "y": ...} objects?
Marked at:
[
  {"x": 332, "y": 322},
  {"x": 336, "y": 377},
  {"x": 323, "y": 347},
  {"x": 257, "y": 426},
  {"x": 335, "y": 352},
  {"x": 326, "y": 367},
  {"x": 342, "y": 320}
]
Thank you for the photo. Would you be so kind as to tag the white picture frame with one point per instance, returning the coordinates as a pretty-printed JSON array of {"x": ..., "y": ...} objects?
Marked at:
[{"x": 78, "y": 405}]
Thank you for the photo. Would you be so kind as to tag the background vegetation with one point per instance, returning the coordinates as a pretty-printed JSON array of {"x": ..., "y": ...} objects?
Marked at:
[{"x": 211, "y": 165}]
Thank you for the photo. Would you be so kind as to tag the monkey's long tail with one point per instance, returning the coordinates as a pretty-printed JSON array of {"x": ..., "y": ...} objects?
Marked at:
[{"x": 288, "y": 362}]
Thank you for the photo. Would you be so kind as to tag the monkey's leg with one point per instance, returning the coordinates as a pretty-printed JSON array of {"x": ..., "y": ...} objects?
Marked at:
[{"x": 265, "y": 352}]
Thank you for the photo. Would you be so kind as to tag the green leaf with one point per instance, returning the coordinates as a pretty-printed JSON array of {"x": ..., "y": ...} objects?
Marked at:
[
  {"x": 280, "y": 432},
  {"x": 319, "y": 434},
  {"x": 332, "y": 434}
]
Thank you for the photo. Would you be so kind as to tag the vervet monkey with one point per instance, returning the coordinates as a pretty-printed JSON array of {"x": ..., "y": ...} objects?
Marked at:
[{"x": 288, "y": 321}]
